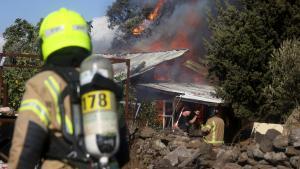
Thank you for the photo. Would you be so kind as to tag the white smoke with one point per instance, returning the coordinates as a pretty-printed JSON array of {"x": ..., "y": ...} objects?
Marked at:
[
  {"x": 102, "y": 36},
  {"x": 2, "y": 41}
]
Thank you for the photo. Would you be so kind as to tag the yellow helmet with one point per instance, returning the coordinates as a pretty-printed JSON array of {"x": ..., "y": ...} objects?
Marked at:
[{"x": 63, "y": 28}]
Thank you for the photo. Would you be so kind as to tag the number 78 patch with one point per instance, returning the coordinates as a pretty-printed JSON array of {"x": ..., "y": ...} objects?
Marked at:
[{"x": 96, "y": 100}]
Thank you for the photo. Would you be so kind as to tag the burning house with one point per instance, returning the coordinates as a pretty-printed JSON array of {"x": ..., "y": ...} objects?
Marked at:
[{"x": 171, "y": 79}]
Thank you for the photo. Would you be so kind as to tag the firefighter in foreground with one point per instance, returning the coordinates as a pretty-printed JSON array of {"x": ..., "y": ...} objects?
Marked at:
[
  {"x": 58, "y": 126},
  {"x": 214, "y": 129}
]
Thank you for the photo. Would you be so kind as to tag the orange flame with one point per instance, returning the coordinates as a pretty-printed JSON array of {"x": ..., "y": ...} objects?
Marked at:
[
  {"x": 185, "y": 36},
  {"x": 151, "y": 17},
  {"x": 154, "y": 14},
  {"x": 138, "y": 30}
]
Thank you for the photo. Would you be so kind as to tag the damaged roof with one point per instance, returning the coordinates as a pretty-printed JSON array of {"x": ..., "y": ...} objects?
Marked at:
[
  {"x": 189, "y": 91},
  {"x": 143, "y": 62}
]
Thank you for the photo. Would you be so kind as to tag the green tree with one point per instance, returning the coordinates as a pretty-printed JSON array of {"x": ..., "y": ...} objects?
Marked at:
[
  {"x": 20, "y": 37},
  {"x": 283, "y": 92},
  {"x": 240, "y": 49}
]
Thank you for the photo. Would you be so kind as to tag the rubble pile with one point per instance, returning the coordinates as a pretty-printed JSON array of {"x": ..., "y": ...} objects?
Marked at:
[{"x": 168, "y": 150}]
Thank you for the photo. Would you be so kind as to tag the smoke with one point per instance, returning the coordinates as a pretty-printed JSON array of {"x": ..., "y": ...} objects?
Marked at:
[
  {"x": 184, "y": 27},
  {"x": 143, "y": 2},
  {"x": 177, "y": 24},
  {"x": 181, "y": 24},
  {"x": 102, "y": 36},
  {"x": 2, "y": 41}
]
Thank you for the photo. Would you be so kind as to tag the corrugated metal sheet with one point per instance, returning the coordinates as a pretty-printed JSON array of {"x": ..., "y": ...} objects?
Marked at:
[
  {"x": 143, "y": 62},
  {"x": 190, "y": 91}
]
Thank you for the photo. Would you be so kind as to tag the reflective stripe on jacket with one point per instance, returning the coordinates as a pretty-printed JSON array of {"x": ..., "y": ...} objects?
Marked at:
[
  {"x": 215, "y": 128},
  {"x": 39, "y": 107}
]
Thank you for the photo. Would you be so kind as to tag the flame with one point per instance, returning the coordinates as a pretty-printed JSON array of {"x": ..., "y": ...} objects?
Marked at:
[
  {"x": 151, "y": 17},
  {"x": 186, "y": 36},
  {"x": 154, "y": 14},
  {"x": 138, "y": 30},
  {"x": 181, "y": 39}
]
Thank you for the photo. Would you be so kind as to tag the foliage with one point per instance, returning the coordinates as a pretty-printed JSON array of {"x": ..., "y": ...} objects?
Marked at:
[
  {"x": 20, "y": 37},
  {"x": 240, "y": 49},
  {"x": 283, "y": 92},
  {"x": 124, "y": 16},
  {"x": 119, "y": 12},
  {"x": 147, "y": 114}
]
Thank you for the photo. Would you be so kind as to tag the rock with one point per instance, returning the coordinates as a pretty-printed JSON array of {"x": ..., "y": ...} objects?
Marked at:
[
  {"x": 263, "y": 162},
  {"x": 149, "y": 157},
  {"x": 164, "y": 152},
  {"x": 257, "y": 154},
  {"x": 225, "y": 156},
  {"x": 262, "y": 166},
  {"x": 147, "y": 132},
  {"x": 173, "y": 156},
  {"x": 275, "y": 158},
  {"x": 281, "y": 167},
  {"x": 174, "y": 144},
  {"x": 287, "y": 164},
  {"x": 194, "y": 144},
  {"x": 182, "y": 138},
  {"x": 151, "y": 166},
  {"x": 206, "y": 163},
  {"x": 232, "y": 166},
  {"x": 250, "y": 149},
  {"x": 163, "y": 164},
  {"x": 296, "y": 144},
  {"x": 243, "y": 158},
  {"x": 291, "y": 151},
  {"x": 228, "y": 156},
  {"x": 251, "y": 161},
  {"x": 237, "y": 152},
  {"x": 168, "y": 138},
  {"x": 247, "y": 167},
  {"x": 181, "y": 159},
  {"x": 205, "y": 148},
  {"x": 272, "y": 134},
  {"x": 258, "y": 137},
  {"x": 281, "y": 142},
  {"x": 294, "y": 135},
  {"x": 151, "y": 151},
  {"x": 295, "y": 161},
  {"x": 243, "y": 148},
  {"x": 158, "y": 145},
  {"x": 220, "y": 153},
  {"x": 266, "y": 144}
]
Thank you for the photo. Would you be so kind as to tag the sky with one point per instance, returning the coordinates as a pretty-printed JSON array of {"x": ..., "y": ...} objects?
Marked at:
[{"x": 33, "y": 10}]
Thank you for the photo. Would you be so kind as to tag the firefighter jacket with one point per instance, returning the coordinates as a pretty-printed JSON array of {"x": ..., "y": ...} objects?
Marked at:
[
  {"x": 215, "y": 129},
  {"x": 39, "y": 114}
]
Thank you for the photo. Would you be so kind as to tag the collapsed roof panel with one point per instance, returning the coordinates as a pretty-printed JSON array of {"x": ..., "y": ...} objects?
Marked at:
[
  {"x": 189, "y": 91},
  {"x": 143, "y": 62}
]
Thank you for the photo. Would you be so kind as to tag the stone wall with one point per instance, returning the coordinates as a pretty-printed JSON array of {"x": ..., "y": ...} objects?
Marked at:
[{"x": 168, "y": 150}]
